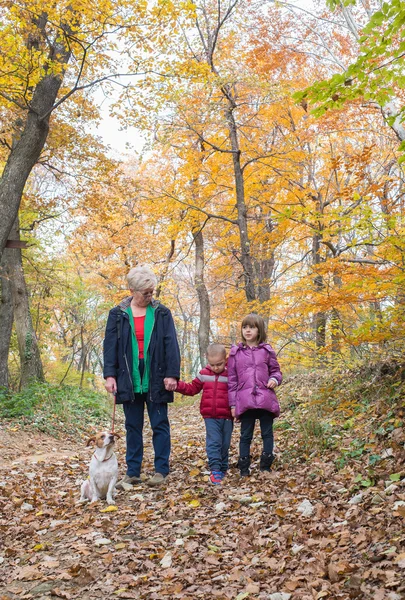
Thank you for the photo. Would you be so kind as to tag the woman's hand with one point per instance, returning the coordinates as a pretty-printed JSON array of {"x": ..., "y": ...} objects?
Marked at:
[
  {"x": 170, "y": 383},
  {"x": 272, "y": 383},
  {"x": 111, "y": 385}
]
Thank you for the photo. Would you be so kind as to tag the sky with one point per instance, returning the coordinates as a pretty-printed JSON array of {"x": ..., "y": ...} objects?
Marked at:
[{"x": 124, "y": 142}]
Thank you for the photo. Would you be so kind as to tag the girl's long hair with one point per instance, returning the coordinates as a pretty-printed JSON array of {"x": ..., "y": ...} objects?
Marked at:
[{"x": 254, "y": 320}]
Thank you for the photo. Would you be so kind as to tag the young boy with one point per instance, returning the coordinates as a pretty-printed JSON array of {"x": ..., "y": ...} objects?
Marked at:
[{"x": 214, "y": 407}]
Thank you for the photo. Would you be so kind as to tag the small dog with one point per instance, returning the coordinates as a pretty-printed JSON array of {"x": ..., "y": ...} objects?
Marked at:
[{"x": 103, "y": 469}]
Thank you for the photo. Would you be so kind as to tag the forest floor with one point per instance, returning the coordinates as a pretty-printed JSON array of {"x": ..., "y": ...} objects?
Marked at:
[{"x": 311, "y": 530}]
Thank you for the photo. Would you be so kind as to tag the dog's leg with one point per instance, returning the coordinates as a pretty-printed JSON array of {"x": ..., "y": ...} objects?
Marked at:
[
  {"x": 93, "y": 491},
  {"x": 84, "y": 492},
  {"x": 111, "y": 490}
]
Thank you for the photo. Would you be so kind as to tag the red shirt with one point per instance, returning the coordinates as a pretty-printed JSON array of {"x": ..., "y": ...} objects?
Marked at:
[{"x": 139, "y": 324}]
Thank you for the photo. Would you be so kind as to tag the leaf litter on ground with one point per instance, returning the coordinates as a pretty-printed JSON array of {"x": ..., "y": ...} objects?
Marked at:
[{"x": 293, "y": 535}]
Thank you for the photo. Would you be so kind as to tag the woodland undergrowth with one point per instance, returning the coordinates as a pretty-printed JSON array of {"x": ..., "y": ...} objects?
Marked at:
[
  {"x": 354, "y": 416},
  {"x": 56, "y": 409}
]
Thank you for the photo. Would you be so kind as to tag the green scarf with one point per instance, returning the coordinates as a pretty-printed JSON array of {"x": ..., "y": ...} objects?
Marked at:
[{"x": 141, "y": 386}]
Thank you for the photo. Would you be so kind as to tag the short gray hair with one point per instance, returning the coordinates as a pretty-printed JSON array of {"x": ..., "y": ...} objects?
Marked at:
[{"x": 141, "y": 278}]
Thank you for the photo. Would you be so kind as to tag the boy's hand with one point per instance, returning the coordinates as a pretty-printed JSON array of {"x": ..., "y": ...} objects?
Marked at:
[{"x": 272, "y": 383}]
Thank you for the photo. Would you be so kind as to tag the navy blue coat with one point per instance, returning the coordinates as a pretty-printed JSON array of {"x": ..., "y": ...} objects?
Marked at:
[{"x": 164, "y": 353}]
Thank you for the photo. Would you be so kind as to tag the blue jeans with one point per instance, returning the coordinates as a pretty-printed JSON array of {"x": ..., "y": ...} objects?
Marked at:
[
  {"x": 248, "y": 421},
  {"x": 159, "y": 421},
  {"x": 218, "y": 440}
]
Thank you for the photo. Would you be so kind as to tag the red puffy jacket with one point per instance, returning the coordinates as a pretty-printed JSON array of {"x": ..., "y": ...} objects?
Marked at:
[{"x": 214, "y": 400}]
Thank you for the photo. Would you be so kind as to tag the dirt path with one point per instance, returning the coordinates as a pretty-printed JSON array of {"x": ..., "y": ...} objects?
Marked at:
[{"x": 191, "y": 539}]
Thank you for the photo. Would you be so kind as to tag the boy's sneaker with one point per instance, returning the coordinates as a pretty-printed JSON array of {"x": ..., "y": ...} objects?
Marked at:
[{"x": 216, "y": 477}]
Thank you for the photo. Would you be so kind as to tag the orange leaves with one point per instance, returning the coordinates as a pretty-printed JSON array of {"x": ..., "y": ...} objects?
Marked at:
[{"x": 321, "y": 206}]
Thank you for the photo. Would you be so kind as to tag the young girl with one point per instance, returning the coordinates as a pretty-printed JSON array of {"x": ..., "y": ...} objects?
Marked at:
[{"x": 253, "y": 373}]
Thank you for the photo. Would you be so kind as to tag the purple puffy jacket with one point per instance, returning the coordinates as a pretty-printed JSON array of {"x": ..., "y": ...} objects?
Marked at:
[{"x": 249, "y": 370}]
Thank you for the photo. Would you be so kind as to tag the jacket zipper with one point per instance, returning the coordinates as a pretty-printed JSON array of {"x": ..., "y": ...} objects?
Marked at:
[
  {"x": 129, "y": 372},
  {"x": 254, "y": 371},
  {"x": 215, "y": 396},
  {"x": 145, "y": 351}
]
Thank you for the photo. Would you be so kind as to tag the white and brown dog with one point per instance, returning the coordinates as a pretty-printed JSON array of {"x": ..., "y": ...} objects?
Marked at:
[{"x": 103, "y": 469}]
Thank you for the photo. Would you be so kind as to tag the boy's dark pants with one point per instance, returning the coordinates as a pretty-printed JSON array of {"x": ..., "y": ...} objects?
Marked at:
[
  {"x": 159, "y": 422},
  {"x": 248, "y": 420},
  {"x": 218, "y": 440}
]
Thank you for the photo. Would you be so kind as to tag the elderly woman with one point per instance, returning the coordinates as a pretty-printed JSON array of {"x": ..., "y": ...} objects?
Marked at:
[{"x": 142, "y": 366}]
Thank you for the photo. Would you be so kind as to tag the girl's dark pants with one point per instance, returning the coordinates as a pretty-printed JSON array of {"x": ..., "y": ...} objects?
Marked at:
[
  {"x": 248, "y": 420},
  {"x": 159, "y": 422}
]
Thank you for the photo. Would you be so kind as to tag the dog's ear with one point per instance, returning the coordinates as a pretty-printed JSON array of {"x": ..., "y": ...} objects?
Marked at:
[
  {"x": 91, "y": 440},
  {"x": 117, "y": 436}
]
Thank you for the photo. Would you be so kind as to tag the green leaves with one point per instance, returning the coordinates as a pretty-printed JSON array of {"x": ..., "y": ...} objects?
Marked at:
[{"x": 375, "y": 75}]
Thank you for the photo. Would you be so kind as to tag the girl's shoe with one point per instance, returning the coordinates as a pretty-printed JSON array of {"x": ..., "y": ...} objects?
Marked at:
[
  {"x": 216, "y": 477},
  {"x": 266, "y": 460},
  {"x": 243, "y": 465}
]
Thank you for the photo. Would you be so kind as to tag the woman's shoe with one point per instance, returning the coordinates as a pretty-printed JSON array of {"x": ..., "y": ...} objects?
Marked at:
[
  {"x": 156, "y": 480},
  {"x": 128, "y": 480}
]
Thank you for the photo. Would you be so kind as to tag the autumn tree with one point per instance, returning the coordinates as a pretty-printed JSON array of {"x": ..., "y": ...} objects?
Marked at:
[
  {"x": 52, "y": 53},
  {"x": 373, "y": 71}
]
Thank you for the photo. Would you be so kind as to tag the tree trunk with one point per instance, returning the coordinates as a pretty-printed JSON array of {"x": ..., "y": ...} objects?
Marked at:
[
  {"x": 209, "y": 42},
  {"x": 335, "y": 325},
  {"x": 264, "y": 267},
  {"x": 203, "y": 297},
  {"x": 30, "y": 358},
  {"x": 6, "y": 321},
  {"x": 319, "y": 320},
  {"x": 246, "y": 259},
  {"x": 336, "y": 322},
  {"x": 27, "y": 149},
  {"x": 165, "y": 269}
]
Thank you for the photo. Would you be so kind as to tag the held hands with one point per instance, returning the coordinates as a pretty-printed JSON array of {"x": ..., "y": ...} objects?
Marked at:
[
  {"x": 271, "y": 384},
  {"x": 170, "y": 383},
  {"x": 233, "y": 414},
  {"x": 111, "y": 385}
]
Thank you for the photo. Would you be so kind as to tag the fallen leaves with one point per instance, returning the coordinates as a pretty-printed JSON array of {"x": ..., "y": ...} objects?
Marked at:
[
  {"x": 270, "y": 539},
  {"x": 28, "y": 573},
  {"x": 102, "y": 541},
  {"x": 399, "y": 508},
  {"x": 166, "y": 561},
  {"x": 110, "y": 508},
  {"x": 120, "y": 546},
  {"x": 305, "y": 508}
]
